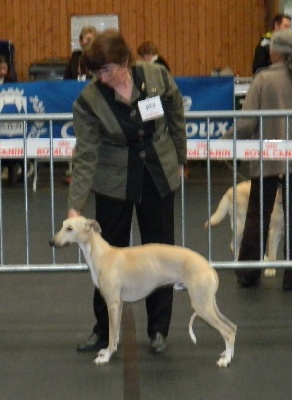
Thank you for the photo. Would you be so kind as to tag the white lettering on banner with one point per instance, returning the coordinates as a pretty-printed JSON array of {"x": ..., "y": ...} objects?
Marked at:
[
  {"x": 216, "y": 129},
  {"x": 191, "y": 129},
  {"x": 222, "y": 128},
  {"x": 64, "y": 130}
]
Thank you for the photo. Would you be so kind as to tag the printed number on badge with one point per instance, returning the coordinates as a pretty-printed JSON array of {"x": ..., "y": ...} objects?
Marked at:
[{"x": 150, "y": 108}]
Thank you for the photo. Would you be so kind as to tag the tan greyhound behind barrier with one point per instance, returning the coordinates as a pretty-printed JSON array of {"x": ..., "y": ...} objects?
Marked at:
[
  {"x": 276, "y": 229},
  {"x": 131, "y": 273}
]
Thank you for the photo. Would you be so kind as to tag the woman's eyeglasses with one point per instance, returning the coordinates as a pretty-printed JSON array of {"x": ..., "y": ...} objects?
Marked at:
[{"x": 106, "y": 71}]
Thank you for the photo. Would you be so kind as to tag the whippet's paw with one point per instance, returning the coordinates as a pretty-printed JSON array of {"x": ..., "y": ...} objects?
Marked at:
[
  {"x": 102, "y": 357},
  {"x": 223, "y": 362},
  {"x": 270, "y": 272}
]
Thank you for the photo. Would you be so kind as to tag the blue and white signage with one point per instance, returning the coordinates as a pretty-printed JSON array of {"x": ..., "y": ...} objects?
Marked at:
[
  {"x": 207, "y": 94},
  {"x": 38, "y": 97},
  {"x": 199, "y": 94}
]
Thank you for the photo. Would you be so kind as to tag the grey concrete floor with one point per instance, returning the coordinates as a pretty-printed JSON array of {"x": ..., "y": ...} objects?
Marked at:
[{"x": 44, "y": 315}]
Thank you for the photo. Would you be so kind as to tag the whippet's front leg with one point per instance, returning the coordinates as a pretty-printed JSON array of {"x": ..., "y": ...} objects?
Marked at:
[
  {"x": 114, "y": 312},
  {"x": 120, "y": 324},
  {"x": 275, "y": 235}
]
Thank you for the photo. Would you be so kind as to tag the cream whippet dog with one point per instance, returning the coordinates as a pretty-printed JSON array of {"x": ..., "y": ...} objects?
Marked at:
[
  {"x": 276, "y": 230},
  {"x": 131, "y": 273}
]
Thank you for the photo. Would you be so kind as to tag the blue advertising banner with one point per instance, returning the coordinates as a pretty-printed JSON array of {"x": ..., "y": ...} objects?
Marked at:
[
  {"x": 207, "y": 94},
  {"x": 199, "y": 93},
  {"x": 38, "y": 97}
]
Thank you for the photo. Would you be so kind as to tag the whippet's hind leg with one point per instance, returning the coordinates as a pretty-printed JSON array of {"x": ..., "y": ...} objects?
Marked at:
[{"x": 209, "y": 312}]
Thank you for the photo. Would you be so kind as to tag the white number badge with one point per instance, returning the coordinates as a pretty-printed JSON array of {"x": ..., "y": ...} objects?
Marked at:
[{"x": 150, "y": 108}]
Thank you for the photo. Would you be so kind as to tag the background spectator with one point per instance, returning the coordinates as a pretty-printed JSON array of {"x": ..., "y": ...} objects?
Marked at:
[
  {"x": 270, "y": 89},
  {"x": 148, "y": 51},
  {"x": 262, "y": 51},
  {"x": 13, "y": 169},
  {"x": 75, "y": 70}
]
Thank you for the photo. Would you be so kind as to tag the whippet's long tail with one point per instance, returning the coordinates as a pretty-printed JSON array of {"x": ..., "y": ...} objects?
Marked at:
[
  {"x": 191, "y": 332},
  {"x": 220, "y": 212}
]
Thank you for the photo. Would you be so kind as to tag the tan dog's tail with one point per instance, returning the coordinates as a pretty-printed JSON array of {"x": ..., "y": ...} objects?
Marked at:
[
  {"x": 191, "y": 332},
  {"x": 220, "y": 212}
]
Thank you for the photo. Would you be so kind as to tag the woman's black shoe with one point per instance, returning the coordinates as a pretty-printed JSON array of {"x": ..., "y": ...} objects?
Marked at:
[
  {"x": 93, "y": 343},
  {"x": 248, "y": 281},
  {"x": 287, "y": 285},
  {"x": 287, "y": 280},
  {"x": 158, "y": 343}
]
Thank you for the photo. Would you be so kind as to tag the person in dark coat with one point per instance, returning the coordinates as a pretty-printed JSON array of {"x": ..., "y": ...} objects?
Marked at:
[
  {"x": 12, "y": 165},
  {"x": 75, "y": 69},
  {"x": 148, "y": 51},
  {"x": 129, "y": 160},
  {"x": 262, "y": 57}
]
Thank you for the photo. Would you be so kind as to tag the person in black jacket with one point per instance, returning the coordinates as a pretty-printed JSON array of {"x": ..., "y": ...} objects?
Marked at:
[
  {"x": 262, "y": 51},
  {"x": 148, "y": 51}
]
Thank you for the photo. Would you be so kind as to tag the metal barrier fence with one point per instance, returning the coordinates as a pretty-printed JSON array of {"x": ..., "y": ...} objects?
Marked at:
[{"x": 52, "y": 150}]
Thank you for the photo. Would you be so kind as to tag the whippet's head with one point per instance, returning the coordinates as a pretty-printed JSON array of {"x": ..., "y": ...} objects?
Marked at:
[{"x": 74, "y": 230}]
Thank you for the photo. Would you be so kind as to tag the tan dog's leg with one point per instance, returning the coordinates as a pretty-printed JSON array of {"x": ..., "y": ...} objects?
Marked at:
[
  {"x": 275, "y": 233},
  {"x": 208, "y": 310},
  {"x": 215, "y": 318},
  {"x": 240, "y": 228},
  {"x": 114, "y": 311}
]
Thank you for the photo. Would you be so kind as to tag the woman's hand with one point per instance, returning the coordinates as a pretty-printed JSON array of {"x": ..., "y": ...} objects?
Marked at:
[{"x": 73, "y": 213}]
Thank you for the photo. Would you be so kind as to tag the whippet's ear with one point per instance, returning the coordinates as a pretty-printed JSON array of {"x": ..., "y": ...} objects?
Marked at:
[{"x": 91, "y": 223}]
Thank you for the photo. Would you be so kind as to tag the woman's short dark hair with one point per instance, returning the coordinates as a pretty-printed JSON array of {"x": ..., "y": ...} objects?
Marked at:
[
  {"x": 279, "y": 18},
  {"x": 3, "y": 59},
  {"x": 87, "y": 29},
  {"x": 147, "y": 47},
  {"x": 106, "y": 48}
]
